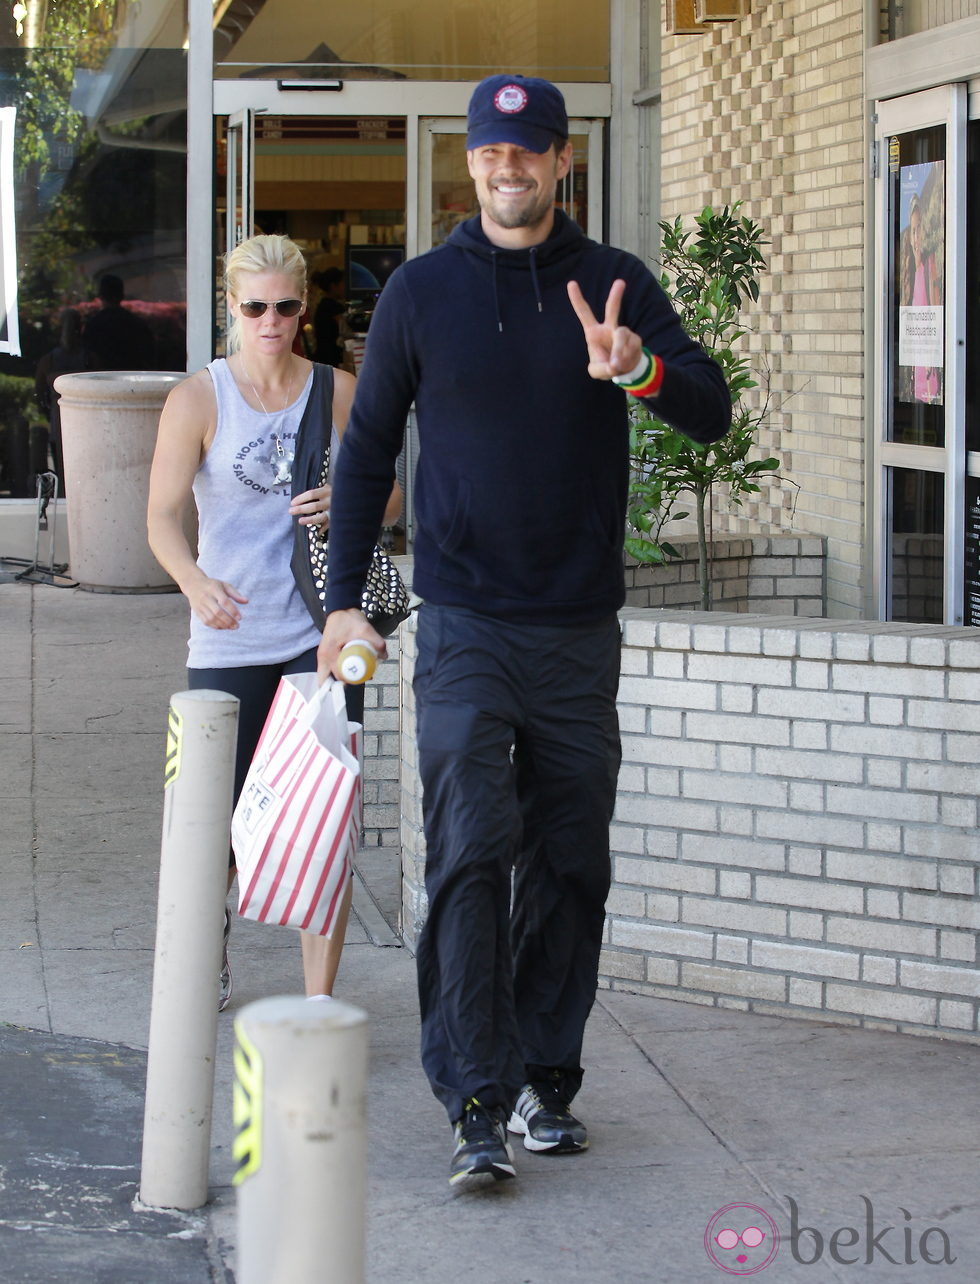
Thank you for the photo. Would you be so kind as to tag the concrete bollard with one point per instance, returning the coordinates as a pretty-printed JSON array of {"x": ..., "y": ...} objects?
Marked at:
[
  {"x": 300, "y": 1141},
  {"x": 199, "y": 782}
]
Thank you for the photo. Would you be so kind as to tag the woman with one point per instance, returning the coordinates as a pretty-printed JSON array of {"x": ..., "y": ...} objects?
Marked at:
[{"x": 227, "y": 435}]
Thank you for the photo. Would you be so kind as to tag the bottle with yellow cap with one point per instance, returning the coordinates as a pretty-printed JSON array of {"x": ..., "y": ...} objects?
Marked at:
[{"x": 357, "y": 662}]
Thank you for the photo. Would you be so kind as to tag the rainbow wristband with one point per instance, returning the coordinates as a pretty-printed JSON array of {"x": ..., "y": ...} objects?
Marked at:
[{"x": 646, "y": 382}]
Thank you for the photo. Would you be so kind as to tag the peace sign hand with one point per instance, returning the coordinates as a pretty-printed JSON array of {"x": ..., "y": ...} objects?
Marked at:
[{"x": 613, "y": 349}]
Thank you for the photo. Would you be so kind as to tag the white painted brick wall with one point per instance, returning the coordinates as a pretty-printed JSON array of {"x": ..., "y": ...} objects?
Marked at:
[
  {"x": 796, "y": 826},
  {"x": 852, "y": 879},
  {"x": 382, "y": 753},
  {"x": 747, "y": 111},
  {"x": 782, "y": 574}
]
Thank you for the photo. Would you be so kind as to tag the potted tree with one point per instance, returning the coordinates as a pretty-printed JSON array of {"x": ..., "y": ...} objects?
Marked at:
[{"x": 709, "y": 273}]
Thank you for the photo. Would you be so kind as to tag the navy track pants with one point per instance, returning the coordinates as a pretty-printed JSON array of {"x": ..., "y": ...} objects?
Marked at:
[{"x": 519, "y": 751}]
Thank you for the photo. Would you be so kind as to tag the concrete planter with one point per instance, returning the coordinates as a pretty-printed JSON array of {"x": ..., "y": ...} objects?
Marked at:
[{"x": 109, "y": 425}]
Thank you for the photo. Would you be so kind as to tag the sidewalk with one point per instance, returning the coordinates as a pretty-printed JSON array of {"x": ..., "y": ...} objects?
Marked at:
[{"x": 690, "y": 1109}]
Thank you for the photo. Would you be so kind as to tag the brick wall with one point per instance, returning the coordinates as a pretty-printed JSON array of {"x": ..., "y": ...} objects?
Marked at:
[
  {"x": 796, "y": 825},
  {"x": 797, "y": 815},
  {"x": 412, "y": 835},
  {"x": 769, "y": 110},
  {"x": 382, "y": 753},
  {"x": 762, "y": 574}
]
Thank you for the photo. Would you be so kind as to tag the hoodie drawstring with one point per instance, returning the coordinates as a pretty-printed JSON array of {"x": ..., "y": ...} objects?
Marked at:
[
  {"x": 496, "y": 295},
  {"x": 533, "y": 262},
  {"x": 564, "y": 244},
  {"x": 533, "y": 257}
]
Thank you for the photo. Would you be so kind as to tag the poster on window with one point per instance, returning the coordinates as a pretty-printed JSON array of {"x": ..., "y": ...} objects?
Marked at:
[
  {"x": 9, "y": 333},
  {"x": 921, "y": 263}
]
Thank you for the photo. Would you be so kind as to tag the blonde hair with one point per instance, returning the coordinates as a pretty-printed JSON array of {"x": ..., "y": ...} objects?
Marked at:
[{"x": 261, "y": 254}]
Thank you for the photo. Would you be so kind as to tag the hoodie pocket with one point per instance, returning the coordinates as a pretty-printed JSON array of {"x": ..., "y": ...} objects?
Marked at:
[
  {"x": 602, "y": 520},
  {"x": 451, "y": 539}
]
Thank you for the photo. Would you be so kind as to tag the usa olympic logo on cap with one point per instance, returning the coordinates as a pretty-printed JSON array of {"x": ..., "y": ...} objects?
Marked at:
[{"x": 510, "y": 99}]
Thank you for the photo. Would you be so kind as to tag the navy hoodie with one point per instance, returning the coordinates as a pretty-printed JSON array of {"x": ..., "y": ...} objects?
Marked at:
[{"x": 520, "y": 497}]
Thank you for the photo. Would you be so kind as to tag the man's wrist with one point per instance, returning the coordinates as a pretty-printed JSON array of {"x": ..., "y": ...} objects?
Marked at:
[
  {"x": 645, "y": 378},
  {"x": 638, "y": 373},
  {"x": 338, "y": 599}
]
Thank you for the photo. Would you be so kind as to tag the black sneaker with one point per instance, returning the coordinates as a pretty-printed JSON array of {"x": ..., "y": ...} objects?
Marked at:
[
  {"x": 482, "y": 1149},
  {"x": 224, "y": 994},
  {"x": 547, "y": 1124}
]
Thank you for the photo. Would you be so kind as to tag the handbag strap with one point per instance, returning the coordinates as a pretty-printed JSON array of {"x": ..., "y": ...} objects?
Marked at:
[{"x": 312, "y": 449}]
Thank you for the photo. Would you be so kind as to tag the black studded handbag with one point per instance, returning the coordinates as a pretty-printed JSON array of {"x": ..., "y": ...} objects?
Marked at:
[{"x": 384, "y": 600}]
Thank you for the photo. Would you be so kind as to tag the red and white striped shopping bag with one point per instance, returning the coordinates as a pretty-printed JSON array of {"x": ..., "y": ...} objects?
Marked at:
[{"x": 298, "y": 817}]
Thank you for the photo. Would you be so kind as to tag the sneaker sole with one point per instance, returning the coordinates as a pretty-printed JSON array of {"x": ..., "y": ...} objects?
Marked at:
[
  {"x": 566, "y": 1144},
  {"x": 479, "y": 1176}
]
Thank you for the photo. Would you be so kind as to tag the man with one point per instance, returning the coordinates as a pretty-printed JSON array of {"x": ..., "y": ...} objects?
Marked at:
[
  {"x": 520, "y": 514},
  {"x": 326, "y": 316},
  {"x": 118, "y": 337}
]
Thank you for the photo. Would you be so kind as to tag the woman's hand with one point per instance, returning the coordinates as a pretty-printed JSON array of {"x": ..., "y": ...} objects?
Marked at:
[
  {"x": 312, "y": 507},
  {"x": 213, "y": 602}
]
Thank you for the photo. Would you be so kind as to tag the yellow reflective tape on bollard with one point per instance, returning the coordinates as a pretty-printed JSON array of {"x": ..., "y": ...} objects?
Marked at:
[
  {"x": 246, "y": 1149},
  {"x": 175, "y": 738}
]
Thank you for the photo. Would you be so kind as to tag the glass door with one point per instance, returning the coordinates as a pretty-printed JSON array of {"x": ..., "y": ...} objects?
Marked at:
[
  {"x": 335, "y": 183},
  {"x": 239, "y": 178},
  {"x": 919, "y": 405},
  {"x": 238, "y": 209},
  {"x": 339, "y": 163}
]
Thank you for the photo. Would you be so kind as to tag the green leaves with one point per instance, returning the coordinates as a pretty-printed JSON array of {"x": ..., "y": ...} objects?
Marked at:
[
  {"x": 75, "y": 34},
  {"x": 710, "y": 272}
]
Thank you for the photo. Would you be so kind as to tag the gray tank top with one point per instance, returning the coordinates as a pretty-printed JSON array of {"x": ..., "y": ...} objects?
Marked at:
[{"x": 245, "y": 533}]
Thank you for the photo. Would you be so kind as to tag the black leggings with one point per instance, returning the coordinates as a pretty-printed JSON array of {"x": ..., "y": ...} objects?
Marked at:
[{"x": 255, "y": 686}]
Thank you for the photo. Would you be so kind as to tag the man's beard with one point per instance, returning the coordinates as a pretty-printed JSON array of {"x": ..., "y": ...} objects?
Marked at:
[{"x": 511, "y": 215}]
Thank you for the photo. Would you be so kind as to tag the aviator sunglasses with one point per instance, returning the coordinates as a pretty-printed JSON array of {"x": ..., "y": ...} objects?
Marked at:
[{"x": 256, "y": 307}]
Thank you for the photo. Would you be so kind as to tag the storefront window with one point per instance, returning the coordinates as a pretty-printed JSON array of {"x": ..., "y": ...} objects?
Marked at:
[
  {"x": 99, "y": 88},
  {"x": 917, "y": 550},
  {"x": 917, "y": 172},
  {"x": 971, "y": 558},
  {"x": 973, "y": 287},
  {"x": 921, "y": 263},
  {"x": 414, "y": 39}
]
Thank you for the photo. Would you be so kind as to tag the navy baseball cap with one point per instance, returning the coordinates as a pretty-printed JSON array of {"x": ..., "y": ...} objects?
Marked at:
[{"x": 522, "y": 110}]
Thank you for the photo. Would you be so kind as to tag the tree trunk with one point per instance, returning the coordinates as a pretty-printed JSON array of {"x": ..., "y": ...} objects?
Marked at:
[{"x": 703, "y": 579}]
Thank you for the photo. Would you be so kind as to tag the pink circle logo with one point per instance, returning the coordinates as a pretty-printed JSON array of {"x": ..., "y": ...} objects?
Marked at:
[
  {"x": 510, "y": 99},
  {"x": 741, "y": 1239}
]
